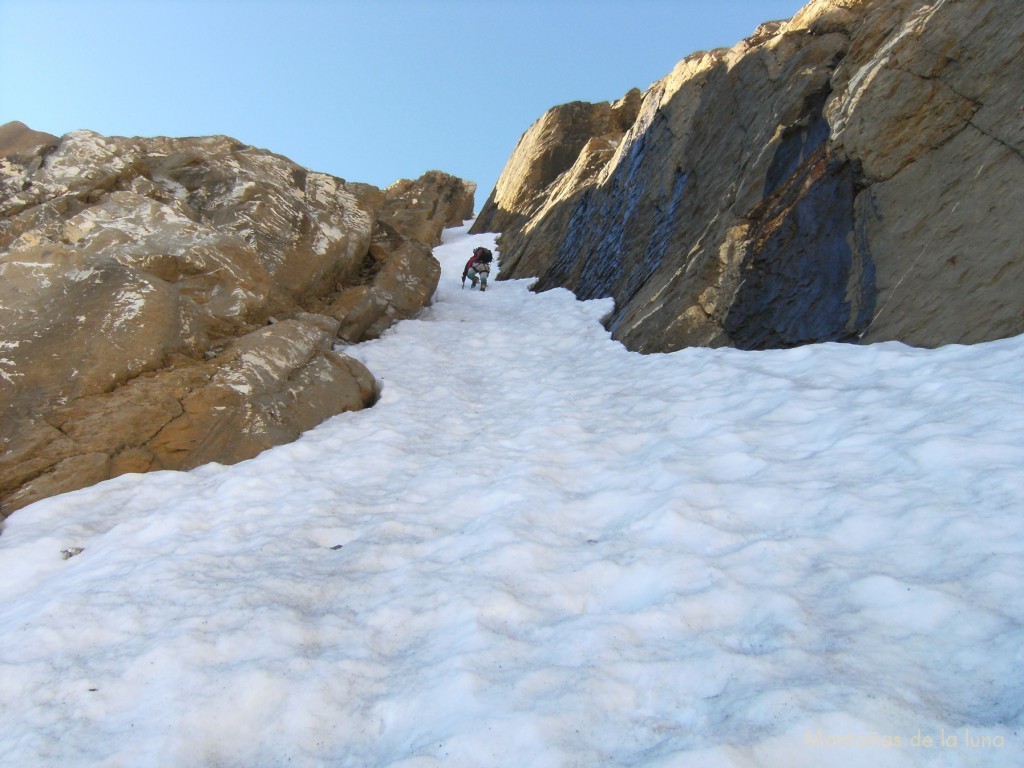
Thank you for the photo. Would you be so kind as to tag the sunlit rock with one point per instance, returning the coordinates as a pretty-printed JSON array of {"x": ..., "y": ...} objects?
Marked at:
[
  {"x": 168, "y": 302},
  {"x": 852, "y": 174}
]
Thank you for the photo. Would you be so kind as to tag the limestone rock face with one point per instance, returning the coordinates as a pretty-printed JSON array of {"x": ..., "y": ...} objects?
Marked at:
[
  {"x": 168, "y": 302},
  {"x": 550, "y": 147},
  {"x": 403, "y": 282},
  {"x": 76, "y": 323},
  {"x": 239, "y": 231},
  {"x": 852, "y": 174},
  {"x": 424, "y": 207},
  {"x": 265, "y": 389},
  {"x": 17, "y": 139}
]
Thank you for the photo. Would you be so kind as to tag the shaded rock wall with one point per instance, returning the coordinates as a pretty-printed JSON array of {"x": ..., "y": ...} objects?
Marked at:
[
  {"x": 848, "y": 175},
  {"x": 170, "y": 302}
]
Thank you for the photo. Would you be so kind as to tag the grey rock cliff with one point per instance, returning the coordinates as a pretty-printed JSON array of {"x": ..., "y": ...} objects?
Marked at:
[
  {"x": 169, "y": 302},
  {"x": 852, "y": 174}
]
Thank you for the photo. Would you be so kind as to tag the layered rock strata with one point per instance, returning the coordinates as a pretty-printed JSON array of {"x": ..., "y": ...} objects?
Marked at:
[
  {"x": 170, "y": 302},
  {"x": 852, "y": 174}
]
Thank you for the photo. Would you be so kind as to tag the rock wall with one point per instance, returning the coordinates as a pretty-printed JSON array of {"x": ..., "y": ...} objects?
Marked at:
[
  {"x": 852, "y": 174},
  {"x": 550, "y": 147},
  {"x": 169, "y": 302}
]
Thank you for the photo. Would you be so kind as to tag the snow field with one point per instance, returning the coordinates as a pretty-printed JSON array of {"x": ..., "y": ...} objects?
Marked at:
[{"x": 541, "y": 549}]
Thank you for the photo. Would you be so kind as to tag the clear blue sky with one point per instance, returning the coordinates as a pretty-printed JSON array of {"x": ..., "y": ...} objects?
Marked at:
[{"x": 370, "y": 90}]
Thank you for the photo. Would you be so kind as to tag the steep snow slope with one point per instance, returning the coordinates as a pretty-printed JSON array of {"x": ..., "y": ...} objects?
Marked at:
[{"x": 540, "y": 549}]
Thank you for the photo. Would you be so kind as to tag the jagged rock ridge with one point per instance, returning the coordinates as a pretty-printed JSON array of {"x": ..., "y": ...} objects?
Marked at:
[
  {"x": 169, "y": 302},
  {"x": 852, "y": 174}
]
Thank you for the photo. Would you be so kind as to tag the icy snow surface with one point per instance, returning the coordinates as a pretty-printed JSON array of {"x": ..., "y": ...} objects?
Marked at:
[{"x": 540, "y": 549}]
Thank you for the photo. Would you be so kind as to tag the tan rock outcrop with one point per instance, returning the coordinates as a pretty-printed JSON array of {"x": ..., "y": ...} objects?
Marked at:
[
  {"x": 164, "y": 301},
  {"x": 265, "y": 389},
  {"x": 17, "y": 139},
  {"x": 548, "y": 149},
  {"x": 76, "y": 324},
  {"x": 422, "y": 208},
  {"x": 848, "y": 175},
  {"x": 405, "y": 277}
]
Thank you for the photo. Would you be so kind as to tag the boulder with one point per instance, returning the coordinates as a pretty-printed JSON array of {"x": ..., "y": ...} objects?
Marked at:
[
  {"x": 848, "y": 175},
  {"x": 169, "y": 302}
]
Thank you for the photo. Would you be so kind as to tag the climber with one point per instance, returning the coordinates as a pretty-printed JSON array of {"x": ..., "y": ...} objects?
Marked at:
[{"x": 477, "y": 268}]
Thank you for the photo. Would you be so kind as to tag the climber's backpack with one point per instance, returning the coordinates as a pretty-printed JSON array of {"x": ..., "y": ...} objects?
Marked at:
[{"x": 482, "y": 255}]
